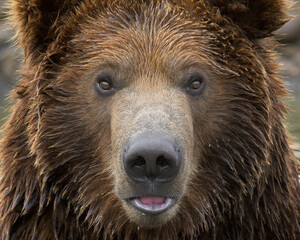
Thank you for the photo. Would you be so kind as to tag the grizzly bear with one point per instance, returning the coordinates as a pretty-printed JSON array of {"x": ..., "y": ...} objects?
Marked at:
[{"x": 148, "y": 120}]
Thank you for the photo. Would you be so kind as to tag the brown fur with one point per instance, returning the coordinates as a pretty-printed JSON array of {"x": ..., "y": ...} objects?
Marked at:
[{"x": 61, "y": 174}]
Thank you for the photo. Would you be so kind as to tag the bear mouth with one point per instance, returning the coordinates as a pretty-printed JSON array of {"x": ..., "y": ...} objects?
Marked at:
[{"x": 152, "y": 205}]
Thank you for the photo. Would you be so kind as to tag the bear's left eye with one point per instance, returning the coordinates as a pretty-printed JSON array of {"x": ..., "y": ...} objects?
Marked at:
[
  {"x": 104, "y": 84},
  {"x": 195, "y": 84}
]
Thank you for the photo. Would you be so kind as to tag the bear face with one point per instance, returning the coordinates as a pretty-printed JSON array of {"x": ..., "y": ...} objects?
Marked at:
[
  {"x": 149, "y": 120},
  {"x": 151, "y": 97}
]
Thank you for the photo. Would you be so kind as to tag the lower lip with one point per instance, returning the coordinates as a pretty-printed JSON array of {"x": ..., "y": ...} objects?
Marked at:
[{"x": 154, "y": 207}]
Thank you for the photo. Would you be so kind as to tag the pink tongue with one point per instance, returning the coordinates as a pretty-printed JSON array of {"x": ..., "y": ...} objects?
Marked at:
[{"x": 151, "y": 200}]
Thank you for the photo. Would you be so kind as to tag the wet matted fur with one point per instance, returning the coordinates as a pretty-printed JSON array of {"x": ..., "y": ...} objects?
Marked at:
[{"x": 61, "y": 175}]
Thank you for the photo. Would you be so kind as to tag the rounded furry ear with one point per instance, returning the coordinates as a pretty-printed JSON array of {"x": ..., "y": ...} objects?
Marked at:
[
  {"x": 37, "y": 20},
  {"x": 257, "y": 18}
]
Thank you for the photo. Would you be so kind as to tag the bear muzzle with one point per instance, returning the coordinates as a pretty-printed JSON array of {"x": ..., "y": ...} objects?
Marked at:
[{"x": 152, "y": 160}]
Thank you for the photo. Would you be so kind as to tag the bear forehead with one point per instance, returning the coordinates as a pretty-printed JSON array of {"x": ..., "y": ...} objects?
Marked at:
[{"x": 156, "y": 37}]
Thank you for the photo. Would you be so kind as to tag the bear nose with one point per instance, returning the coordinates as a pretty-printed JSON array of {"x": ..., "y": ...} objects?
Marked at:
[{"x": 154, "y": 158}]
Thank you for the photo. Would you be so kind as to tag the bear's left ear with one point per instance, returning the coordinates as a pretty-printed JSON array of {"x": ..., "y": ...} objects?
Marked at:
[
  {"x": 257, "y": 18},
  {"x": 37, "y": 21}
]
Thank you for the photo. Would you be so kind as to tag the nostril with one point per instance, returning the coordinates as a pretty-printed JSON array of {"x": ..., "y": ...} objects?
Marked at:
[
  {"x": 139, "y": 162},
  {"x": 162, "y": 162}
]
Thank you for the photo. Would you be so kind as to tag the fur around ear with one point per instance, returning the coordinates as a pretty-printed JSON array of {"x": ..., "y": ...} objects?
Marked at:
[
  {"x": 257, "y": 18},
  {"x": 42, "y": 22},
  {"x": 37, "y": 21}
]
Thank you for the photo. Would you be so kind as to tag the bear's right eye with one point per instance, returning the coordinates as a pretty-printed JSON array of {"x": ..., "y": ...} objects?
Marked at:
[{"x": 104, "y": 84}]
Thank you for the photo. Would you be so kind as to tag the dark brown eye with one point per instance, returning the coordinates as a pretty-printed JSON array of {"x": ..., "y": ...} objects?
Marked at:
[
  {"x": 196, "y": 84},
  {"x": 104, "y": 84}
]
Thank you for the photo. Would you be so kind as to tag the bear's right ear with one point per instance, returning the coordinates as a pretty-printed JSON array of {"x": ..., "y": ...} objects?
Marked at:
[{"x": 36, "y": 22}]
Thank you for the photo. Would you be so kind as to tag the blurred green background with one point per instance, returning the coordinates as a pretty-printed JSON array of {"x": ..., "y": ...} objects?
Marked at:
[{"x": 289, "y": 35}]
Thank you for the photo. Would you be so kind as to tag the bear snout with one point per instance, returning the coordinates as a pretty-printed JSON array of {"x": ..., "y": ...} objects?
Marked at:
[{"x": 152, "y": 158}]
